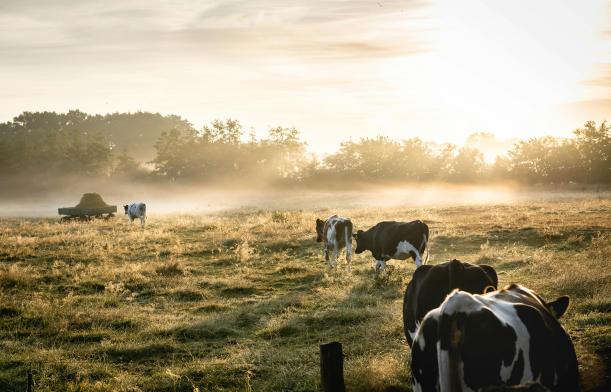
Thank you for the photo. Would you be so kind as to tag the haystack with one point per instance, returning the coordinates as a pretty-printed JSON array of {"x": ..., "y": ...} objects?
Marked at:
[{"x": 91, "y": 200}]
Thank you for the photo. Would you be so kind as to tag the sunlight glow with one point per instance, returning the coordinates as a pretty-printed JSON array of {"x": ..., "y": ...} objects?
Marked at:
[{"x": 438, "y": 69}]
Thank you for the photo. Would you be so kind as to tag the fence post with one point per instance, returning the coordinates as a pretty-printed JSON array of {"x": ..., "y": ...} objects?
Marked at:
[
  {"x": 332, "y": 367},
  {"x": 30, "y": 383}
]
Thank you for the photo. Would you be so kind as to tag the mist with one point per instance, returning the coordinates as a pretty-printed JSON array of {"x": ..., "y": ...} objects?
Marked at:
[{"x": 165, "y": 199}]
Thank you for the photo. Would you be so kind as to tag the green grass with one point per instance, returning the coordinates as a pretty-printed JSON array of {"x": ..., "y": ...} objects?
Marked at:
[{"x": 241, "y": 300}]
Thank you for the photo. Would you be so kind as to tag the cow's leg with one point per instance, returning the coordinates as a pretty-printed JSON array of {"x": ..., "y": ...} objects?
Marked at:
[
  {"x": 325, "y": 252},
  {"x": 142, "y": 219},
  {"x": 335, "y": 255},
  {"x": 349, "y": 256},
  {"x": 380, "y": 265},
  {"x": 329, "y": 255}
]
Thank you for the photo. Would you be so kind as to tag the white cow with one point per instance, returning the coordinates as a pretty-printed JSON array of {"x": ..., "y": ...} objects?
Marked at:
[
  {"x": 136, "y": 210},
  {"x": 335, "y": 233}
]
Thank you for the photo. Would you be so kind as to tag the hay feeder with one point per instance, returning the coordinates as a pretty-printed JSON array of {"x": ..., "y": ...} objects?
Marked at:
[{"x": 91, "y": 206}]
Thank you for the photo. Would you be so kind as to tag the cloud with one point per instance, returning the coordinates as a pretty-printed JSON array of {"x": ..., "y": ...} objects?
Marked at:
[
  {"x": 603, "y": 79},
  {"x": 592, "y": 109},
  {"x": 61, "y": 31}
]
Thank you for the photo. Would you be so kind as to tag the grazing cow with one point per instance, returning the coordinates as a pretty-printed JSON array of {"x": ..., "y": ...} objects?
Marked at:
[
  {"x": 394, "y": 240},
  {"x": 335, "y": 233},
  {"x": 506, "y": 337},
  {"x": 136, "y": 210},
  {"x": 431, "y": 284}
]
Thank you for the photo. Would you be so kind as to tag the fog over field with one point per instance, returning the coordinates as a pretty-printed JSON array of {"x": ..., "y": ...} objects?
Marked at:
[{"x": 176, "y": 199}]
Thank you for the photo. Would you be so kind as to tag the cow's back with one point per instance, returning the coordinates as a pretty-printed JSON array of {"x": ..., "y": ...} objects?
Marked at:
[
  {"x": 137, "y": 210},
  {"x": 431, "y": 284},
  {"x": 386, "y": 235},
  {"x": 338, "y": 229},
  {"x": 504, "y": 337}
]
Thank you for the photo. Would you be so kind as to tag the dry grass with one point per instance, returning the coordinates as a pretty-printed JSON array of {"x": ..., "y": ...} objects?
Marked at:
[{"x": 241, "y": 300}]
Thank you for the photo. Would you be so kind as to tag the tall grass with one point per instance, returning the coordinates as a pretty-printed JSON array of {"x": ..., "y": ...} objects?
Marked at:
[{"x": 241, "y": 300}]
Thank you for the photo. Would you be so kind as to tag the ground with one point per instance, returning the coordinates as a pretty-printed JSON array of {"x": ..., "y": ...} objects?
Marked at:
[{"x": 241, "y": 300}]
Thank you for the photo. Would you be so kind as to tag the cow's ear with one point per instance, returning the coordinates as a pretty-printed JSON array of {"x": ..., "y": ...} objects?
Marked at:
[
  {"x": 318, "y": 221},
  {"x": 559, "y": 306},
  {"x": 491, "y": 273}
]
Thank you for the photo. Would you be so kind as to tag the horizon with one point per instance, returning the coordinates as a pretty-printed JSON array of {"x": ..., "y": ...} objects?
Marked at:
[{"x": 336, "y": 71}]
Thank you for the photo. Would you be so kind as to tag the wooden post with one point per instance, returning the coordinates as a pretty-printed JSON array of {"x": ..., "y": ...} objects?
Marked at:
[
  {"x": 332, "y": 367},
  {"x": 30, "y": 383}
]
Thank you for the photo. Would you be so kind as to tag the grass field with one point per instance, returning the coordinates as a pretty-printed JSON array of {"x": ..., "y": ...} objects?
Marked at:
[{"x": 241, "y": 300}]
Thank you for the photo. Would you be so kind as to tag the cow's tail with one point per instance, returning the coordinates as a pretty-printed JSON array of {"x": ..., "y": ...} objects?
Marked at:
[
  {"x": 142, "y": 212},
  {"x": 448, "y": 357},
  {"x": 424, "y": 246},
  {"x": 450, "y": 335},
  {"x": 348, "y": 236},
  {"x": 455, "y": 269}
]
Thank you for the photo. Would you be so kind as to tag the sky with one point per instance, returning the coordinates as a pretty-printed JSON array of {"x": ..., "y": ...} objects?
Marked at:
[{"x": 336, "y": 70}]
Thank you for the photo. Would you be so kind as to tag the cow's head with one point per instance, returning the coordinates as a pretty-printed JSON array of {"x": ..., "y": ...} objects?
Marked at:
[
  {"x": 556, "y": 307},
  {"x": 361, "y": 241},
  {"x": 125, "y": 207},
  {"x": 320, "y": 226}
]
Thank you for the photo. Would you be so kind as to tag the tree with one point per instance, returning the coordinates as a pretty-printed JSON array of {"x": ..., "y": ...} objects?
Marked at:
[
  {"x": 467, "y": 165},
  {"x": 170, "y": 162},
  {"x": 417, "y": 160},
  {"x": 530, "y": 160},
  {"x": 223, "y": 132},
  {"x": 594, "y": 145}
]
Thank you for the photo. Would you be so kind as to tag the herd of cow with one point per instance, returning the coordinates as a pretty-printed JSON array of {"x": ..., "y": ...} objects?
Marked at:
[{"x": 465, "y": 334}]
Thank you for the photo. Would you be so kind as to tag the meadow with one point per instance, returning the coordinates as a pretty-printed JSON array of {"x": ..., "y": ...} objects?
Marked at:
[{"x": 240, "y": 300}]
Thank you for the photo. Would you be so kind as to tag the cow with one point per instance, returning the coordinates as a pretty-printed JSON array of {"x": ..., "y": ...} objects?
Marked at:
[
  {"x": 335, "y": 233},
  {"x": 431, "y": 284},
  {"x": 505, "y": 337},
  {"x": 394, "y": 240},
  {"x": 136, "y": 210}
]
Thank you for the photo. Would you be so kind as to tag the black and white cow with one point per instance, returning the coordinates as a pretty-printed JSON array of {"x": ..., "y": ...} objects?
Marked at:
[
  {"x": 506, "y": 337},
  {"x": 394, "y": 240},
  {"x": 135, "y": 211},
  {"x": 431, "y": 284},
  {"x": 335, "y": 233}
]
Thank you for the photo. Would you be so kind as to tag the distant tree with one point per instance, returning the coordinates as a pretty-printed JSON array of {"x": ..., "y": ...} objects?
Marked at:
[
  {"x": 443, "y": 162},
  {"x": 417, "y": 160},
  {"x": 376, "y": 158},
  {"x": 222, "y": 132},
  {"x": 170, "y": 161},
  {"x": 127, "y": 167},
  {"x": 467, "y": 165},
  {"x": 87, "y": 154},
  {"x": 500, "y": 169},
  {"x": 47, "y": 144},
  {"x": 530, "y": 159},
  {"x": 565, "y": 163},
  {"x": 594, "y": 146},
  {"x": 285, "y": 151}
]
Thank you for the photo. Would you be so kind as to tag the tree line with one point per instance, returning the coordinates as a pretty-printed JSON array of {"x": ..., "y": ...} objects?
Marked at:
[{"x": 152, "y": 147}]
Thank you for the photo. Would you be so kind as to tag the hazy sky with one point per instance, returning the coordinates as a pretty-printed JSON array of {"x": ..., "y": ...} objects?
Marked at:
[{"x": 334, "y": 69}]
